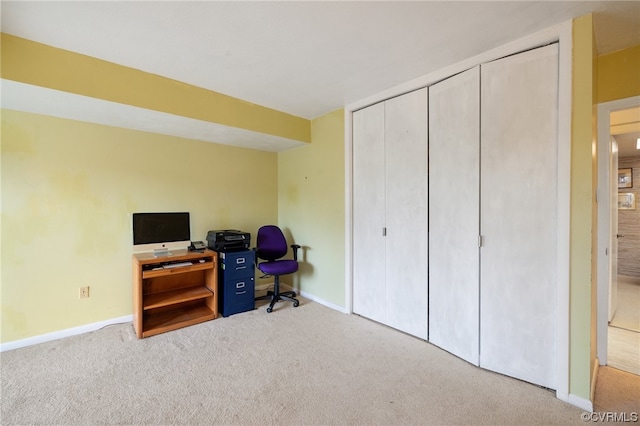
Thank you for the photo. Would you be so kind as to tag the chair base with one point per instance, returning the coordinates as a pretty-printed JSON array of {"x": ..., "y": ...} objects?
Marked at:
[{"x": 276, "y": 296}]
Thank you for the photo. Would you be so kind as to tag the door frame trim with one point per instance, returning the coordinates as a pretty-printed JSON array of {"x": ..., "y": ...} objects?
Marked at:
[
  {"x": 604, "y": 219},
  {"x": 561, "y": 33}
]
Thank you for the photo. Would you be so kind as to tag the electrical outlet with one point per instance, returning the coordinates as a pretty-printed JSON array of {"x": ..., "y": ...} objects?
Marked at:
[{"x": 84, "y": 292}]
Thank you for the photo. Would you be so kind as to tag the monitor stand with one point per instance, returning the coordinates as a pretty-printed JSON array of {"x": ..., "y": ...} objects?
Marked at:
[{"x": 162, "y": 252}]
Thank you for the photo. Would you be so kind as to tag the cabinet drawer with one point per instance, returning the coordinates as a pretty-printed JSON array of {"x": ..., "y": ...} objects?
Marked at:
[
  {"x": 237, "y": 295},
  {"x": 239, "y": 290},
  {"x": 237, "y": 264}
]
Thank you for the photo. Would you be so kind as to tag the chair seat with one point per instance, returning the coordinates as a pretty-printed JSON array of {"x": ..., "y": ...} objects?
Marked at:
[{"x": 279, "y": 267}]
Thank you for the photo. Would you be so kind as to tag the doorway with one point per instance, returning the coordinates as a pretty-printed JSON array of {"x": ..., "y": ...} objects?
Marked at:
[{"x": 618, "y": 318}]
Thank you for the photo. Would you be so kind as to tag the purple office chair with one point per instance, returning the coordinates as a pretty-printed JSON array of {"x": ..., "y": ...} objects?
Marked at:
[{"x": 272, "y": 246}]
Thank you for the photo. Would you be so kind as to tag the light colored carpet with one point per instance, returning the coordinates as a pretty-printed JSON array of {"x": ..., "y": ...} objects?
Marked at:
[
  {"x": 627, "y": 314},
  {"x": 617, "y": 391},
  {"x": 296, "y": 366}
]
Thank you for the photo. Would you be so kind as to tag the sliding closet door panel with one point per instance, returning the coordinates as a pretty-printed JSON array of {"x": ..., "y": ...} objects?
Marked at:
[
  {"x": 518, "y": 215},
  {"x": 406, "y": 212},
  {"x": 454, "y": 198},
  {"x": 368, "y": 212}
]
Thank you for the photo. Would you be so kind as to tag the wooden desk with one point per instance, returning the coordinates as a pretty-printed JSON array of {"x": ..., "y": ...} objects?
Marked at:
[{"x": 167, "y": 299}]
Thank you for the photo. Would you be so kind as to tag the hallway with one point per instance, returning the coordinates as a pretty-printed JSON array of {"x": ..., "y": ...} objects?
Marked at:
[{"x": 624, "y": 328}]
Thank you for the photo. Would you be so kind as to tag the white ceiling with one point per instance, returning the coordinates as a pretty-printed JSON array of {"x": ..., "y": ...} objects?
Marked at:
[
  {"x": 39, "y": 100},
  {"x": 306, "y": 58},
  {"x": 625, "y": 127},
  {"x": 627, "y": 144}
]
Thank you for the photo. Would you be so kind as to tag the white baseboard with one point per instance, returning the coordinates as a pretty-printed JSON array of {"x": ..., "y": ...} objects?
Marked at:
[
  {"x": 287, "y": 287},
  {"x": 323, "y": 302},
  {"x": 578, "y": 401},
  {"x": 129, "y": 318},
  {"x": 63, "y": 333}
]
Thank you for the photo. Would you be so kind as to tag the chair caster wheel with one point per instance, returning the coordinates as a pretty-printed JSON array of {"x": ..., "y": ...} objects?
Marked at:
[
  {"x": 269, "y": 309},
  {"x": 296, "y": 304}
]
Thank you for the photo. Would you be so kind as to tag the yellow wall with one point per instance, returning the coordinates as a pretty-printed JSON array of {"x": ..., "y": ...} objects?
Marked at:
[
  {"x": 619, "y": 75},
  {"x": 41, "y": 65},
  {"x": 68, "y": 191},
  {"x": 594, "y": 209},
  {"x": 583, "y": 174},
  {"x": 311, "y": 207}
]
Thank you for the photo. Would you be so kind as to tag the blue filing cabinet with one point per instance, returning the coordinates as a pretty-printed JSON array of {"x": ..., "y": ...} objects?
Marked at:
[{"x": 236, "y": 282}]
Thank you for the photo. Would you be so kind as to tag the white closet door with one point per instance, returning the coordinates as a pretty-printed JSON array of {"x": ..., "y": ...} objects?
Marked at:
[
  {"x": 368, "y": 213},
  {"x": 454, "y": 209},
  {"x": 518, "y": 215},
  {"x": 406, "y": 212}
]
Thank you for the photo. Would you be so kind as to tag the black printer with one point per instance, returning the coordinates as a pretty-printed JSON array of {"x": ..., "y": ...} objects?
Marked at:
[{"x": 228, "y": 240}]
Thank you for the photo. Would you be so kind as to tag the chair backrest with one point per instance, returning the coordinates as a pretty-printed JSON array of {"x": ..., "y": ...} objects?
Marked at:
[{"x": 271, "y": 244}]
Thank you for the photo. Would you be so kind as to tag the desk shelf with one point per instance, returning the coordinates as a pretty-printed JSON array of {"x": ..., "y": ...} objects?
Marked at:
[
  {"x": 160, "y": 322},
  {"x": 167, "y": 299},
  {"x": 174, "y": 297},
  {"x": 178, "y": 270}
]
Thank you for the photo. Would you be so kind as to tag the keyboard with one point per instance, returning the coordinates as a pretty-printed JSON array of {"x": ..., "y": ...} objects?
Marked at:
[{"x": 176, "y": 265}]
